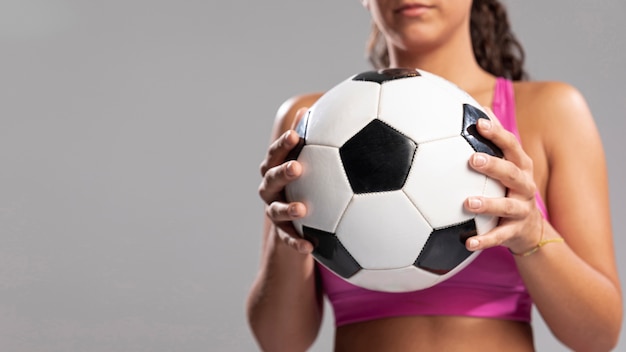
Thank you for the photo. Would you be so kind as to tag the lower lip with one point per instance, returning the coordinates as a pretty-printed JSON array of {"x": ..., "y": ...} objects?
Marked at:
[{"x": 414, "y": 11}]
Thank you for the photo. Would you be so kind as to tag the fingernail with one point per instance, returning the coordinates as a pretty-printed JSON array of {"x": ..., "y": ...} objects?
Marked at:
[
  {"x": 473, "y": 243},
  {"x": 479, "y": 160},
  {"x": 475, "y": 203},
  {"x": 484, "y": 123},
  {"x": 293, "y": 211},
  {"x": 289, "y": 169}
]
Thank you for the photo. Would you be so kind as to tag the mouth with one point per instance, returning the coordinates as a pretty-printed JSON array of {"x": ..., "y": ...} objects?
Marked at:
[{"x": 412, "y": 9}]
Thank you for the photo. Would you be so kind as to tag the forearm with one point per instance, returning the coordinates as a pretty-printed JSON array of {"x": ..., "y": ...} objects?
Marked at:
[
  {"x": 581, "y": 306},
  {"x": 284, "y": 308}
]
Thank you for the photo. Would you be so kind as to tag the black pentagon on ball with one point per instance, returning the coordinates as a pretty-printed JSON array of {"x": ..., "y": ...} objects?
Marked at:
[
  {"x": 481, "y": 144},
  {"x": 445, "y": 248},
  {"x": 377, "y": 158},
  {"x": 384, "y": 75},
  {"x": 329, "y": 251}
]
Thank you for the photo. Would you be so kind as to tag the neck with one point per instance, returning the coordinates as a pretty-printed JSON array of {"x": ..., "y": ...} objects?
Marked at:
[{"x": 453, "y": 61}]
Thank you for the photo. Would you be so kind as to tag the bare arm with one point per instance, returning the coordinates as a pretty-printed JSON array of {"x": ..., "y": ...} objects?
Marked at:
[
  {"x": 284, "y": 305},
  {"x": 577, "y": 289},
  {"x": 575, "y": 285}
]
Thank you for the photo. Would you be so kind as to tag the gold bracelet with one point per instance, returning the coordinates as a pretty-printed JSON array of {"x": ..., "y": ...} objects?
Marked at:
[{"x": 542, "y": 242}]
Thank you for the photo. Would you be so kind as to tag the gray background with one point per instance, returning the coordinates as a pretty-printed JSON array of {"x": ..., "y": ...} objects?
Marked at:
[{"x": 130, "y": 138}]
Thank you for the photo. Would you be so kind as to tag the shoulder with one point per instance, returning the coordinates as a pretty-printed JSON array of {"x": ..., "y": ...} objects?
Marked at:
[
  {"x": 286, "y": 113},
  {"x": 548, "y": 95},
  {"x": 551, "y": 105},
  {"x": 557, "y": 111}
]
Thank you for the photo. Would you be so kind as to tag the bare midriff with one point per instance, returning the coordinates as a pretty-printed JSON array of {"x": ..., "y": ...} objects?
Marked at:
[{"x": 435, "y": 333}]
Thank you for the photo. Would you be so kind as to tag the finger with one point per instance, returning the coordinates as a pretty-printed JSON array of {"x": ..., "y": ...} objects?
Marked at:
[
  {"x": 493, "y": 238},
  {"x": 291, "y": 239},
  {"x": 280, "y": 211},
  {"x": 278, "y": 150},
  {"x": 491, "y": 114},
  {"x": 506, "y": 207},
  {"x": 505, "y": 171},
  {"x": 277, "y": 178},
  {"x": 504, "y": 235},
  {"x": 505, "y": 140}
]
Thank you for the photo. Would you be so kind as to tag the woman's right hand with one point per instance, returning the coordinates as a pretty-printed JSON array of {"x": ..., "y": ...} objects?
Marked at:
[{"x": 277, "y": 172}]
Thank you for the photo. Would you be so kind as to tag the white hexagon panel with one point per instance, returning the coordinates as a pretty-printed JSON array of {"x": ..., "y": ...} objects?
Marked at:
[
  {"x": 332, "y": 123},
  {"x": 440, "y": 180},
  {"x": 383, "y": 230},
  {"x": 322, "y": 169}
]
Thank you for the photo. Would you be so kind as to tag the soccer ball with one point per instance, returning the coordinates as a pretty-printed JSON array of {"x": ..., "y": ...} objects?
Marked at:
[{"x": 385, "y": 174}]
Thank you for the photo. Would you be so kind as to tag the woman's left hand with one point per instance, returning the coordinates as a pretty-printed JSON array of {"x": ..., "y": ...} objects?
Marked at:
[{"x": 520, "y": 223}]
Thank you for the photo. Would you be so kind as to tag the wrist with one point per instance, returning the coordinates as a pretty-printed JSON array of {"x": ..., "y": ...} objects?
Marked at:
[
  {"x": 525, "y": 245},
  {"x": 542, "y": 242}
]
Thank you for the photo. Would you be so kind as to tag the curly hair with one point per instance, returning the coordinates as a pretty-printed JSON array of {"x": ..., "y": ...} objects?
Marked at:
[{"x": 496, "y": 48}]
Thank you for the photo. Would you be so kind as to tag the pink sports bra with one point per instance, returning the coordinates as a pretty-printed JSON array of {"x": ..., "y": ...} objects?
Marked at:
[{"x": 489, "y": 287}]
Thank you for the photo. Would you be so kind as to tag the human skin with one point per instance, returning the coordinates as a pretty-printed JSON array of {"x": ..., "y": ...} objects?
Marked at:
[{"x": 574, "y": 285}]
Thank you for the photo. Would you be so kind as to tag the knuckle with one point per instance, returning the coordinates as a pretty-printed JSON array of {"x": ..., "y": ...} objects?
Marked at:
[
  {"x": 514, "y": 174},
  {"x": 271, "y": 211},
  {"x": 283, "y": 237},
  {"x": 263, "y": 167},
  {"x": 509, "y": 208},
  {"x": 270, "y": 177},
  {"x": 511, "y": 139},
  {"x": 290, "y": 241},
  {"x": 263, "y": 193},
  {"x": 530, "y": 208},
  {"x": 527, "y": 163},
  {"x": 532, "y": 190},
  {"x": 264, "y": 189}
]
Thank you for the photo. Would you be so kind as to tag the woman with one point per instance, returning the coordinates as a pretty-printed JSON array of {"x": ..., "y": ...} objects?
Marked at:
[{"x": 565, "y": 265}]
